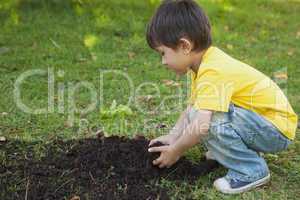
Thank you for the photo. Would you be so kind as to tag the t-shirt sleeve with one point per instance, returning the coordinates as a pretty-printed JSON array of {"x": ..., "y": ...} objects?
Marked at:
[{"x": 213, "y": 91}]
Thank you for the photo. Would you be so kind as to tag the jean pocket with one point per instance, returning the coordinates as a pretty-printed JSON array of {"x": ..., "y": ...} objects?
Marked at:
[
  {"x": 284, "y": 141},
  {"x": 270, "y": 140}
]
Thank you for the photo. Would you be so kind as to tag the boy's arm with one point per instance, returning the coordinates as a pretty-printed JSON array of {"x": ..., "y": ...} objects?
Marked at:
[
  {"x": 176, "y": 131},
  {"x": 192, "y": 134},
  {"x": 181, "y": 123}
]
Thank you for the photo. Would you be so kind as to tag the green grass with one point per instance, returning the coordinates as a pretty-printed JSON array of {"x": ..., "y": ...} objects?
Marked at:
[{"x": 83, "y": 39}]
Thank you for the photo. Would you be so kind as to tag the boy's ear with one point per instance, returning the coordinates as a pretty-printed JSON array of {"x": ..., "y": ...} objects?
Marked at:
[{"x": 185, "y": 45}]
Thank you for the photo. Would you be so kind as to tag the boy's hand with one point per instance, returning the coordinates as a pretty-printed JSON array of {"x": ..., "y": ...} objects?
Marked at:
[
  {"x": 165, "y": 139},
  {"x": 168, "y": 156}
]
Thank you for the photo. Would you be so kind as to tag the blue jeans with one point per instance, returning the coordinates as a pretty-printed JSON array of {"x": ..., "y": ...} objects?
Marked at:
[{"x": 235, "y": 139}]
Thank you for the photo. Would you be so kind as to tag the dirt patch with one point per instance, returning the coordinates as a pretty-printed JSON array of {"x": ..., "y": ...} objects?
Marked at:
[{"x": 103, "y": 168}]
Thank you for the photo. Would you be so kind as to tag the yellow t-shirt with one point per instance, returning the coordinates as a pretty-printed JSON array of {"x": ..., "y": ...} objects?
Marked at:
[{"x": 222, "y": 79}]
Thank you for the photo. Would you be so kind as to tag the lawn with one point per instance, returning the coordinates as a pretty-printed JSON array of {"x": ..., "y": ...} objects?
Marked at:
[{"x": 71, "y": 69}]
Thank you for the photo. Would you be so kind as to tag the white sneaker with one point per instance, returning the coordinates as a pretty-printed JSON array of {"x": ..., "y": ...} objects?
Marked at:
[
  {"x": 236, "y": 186},
  {"x": 209, "y": 156}
]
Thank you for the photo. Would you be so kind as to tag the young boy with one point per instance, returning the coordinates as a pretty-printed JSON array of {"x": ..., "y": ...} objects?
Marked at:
[{"x": 235, "y": 110}]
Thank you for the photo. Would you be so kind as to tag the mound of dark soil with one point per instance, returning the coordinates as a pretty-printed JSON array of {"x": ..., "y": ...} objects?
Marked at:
[{"x": 103, "y": 168}]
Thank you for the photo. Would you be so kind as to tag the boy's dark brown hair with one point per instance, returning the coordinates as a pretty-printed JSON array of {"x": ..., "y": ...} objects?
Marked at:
[{"x": 175, "y": 19}]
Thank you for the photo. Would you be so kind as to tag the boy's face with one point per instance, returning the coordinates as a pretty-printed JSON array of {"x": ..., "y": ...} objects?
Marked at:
[{"x": 176, "y": 60}]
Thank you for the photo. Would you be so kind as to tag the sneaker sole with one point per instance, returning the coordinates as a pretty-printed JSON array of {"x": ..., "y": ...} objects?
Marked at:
[{"x": 248, "y": 187}]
